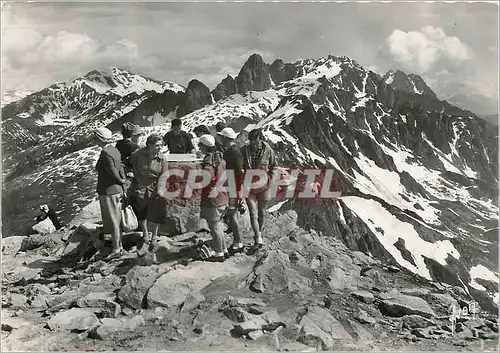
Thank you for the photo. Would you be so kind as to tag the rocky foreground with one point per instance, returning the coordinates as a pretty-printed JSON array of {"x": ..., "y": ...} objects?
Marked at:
[{"x": 305, "y": 291}]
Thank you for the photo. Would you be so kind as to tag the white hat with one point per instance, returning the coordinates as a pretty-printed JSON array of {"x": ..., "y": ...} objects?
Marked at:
[
  {"x": 207, "y": 140},
  {"x": 103, "y": 134},
  {"x": 228, "y": 132}
]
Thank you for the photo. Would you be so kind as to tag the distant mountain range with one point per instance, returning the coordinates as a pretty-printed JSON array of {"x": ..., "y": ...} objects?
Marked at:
[
  {"x": 482, "y": 106},
  {"x": 13, "y": 96},
  {"x": 418, "y": 175}
]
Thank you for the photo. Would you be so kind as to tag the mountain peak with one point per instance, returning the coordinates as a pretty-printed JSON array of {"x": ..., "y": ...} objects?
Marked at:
[
  {"x": 254, "y": 75},
  {"x": 408, "y": 83}
]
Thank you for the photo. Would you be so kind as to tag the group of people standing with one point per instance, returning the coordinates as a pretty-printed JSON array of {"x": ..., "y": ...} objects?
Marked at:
[{"x": 131, "y": 174}]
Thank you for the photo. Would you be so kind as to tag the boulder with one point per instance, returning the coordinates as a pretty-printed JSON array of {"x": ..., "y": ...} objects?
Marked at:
[
  {"x": 415, "y": 291},
  {"x": 12, "y": 323},
  {"x": 363, "y": 317},
  {"x": 45, "y": 241},
  {"x": 255, "y": 335},
  {"x": 397, "y": 305},
  {"x": 88, "y": 214},
  {"x": 39, "y": 302},
  {"x": 320, "y": 328},
  {"x": 11, "y": 245},
  {"x": 172, "y": 288},
  {"x": 311, "y": 335},
  {"x": 44, "y": 227},
  {"x": 137, "y": 283},
  {"x": 273, "y": 273},
  {"x": 246, "y": 327},
  {"x": 268, "y": 321},
  {"x": 18, "y": 301},
  {"x": 360, "y": 331},
  {"x": 81, "y": 238},
  {"x": 111, "y": 326},
  {"x": 31, "y": 338},
  {"x": 417, "y": 321},
  {"x": 365, "y": 297},
  {"x": 102, "y": 301},
  {"x": 73, "y": 319},
  {"x": 193, "y": 299},
  {"x": 421, "y": 333}
]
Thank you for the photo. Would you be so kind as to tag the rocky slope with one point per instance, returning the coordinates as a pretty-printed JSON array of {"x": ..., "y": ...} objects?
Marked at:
[
  {"x": 304, "y": 291},
  {"x": 418, "y": 175}
]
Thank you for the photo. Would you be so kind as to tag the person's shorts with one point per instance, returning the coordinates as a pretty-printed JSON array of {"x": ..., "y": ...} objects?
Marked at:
[
  {"x": 261, "y": 196},
  {"x": 232, "y": 206},
  {"x": 140, "y": 206},
  {"x": 213, "y": 213},
  {"x": 157, "y": 211}
]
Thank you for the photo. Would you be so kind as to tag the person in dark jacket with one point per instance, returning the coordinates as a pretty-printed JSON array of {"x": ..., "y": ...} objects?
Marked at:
[
  {"x": 258, "y": 155},
  {"x": 219, "y": 145},
  {"x": 177, "y": 140},
  {"x": 48, "y": 212},
  {"x": 110, "y": 181},
  {"x": 129, "y": 144},
  {"x": 151, "y": 209},
  {"x": 234, "y": 163}
]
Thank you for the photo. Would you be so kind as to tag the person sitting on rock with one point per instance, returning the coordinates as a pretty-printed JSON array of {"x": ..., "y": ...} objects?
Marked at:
[
  {"x": 110, "y": 181},
  {"x": 177, "y": 140},
  {"x": 149, "y": 207},
  {"x": 258, "y": 155},
  {"x": 213, "y": 208},
  {"x": 48, "y": 212},
  {"x": 128, "y": 144}
]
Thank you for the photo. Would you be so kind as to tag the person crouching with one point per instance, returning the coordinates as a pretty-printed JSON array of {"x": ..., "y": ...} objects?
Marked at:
[
  {"x": 213, "y": 208},
  {"x": 110, "y": 181}
]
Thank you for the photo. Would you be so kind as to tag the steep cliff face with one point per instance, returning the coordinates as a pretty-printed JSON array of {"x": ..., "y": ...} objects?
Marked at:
[
  {"x": 408, "y": 83},
  {"x": 254, "y": 75},
  {"x": 226, "y": 88},
  {"x": 197, "y": 96},
  {"x": 281, "y": 72}
]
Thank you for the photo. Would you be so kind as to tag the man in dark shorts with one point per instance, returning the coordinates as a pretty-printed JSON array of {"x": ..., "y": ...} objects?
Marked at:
[
  {"x": 234, "y": 162},
  {"x": 177, "y": 140},
  {"x": 258, "y": 155}
]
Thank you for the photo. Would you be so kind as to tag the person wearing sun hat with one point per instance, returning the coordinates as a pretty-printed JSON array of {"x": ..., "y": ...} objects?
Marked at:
[
  {"x": 213, "y": 208},
  {"x": 110, "y": 181},
  {"x": 234, "y": 162}
]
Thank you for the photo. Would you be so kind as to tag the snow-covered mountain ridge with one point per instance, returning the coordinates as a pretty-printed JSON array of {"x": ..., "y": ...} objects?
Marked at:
[{"x": 418, "y": 174}]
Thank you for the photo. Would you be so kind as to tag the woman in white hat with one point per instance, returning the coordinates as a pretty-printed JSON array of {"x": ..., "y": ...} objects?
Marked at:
[
  {"x": 110, "y": 181},
  {"x": 213, "y": 208}
]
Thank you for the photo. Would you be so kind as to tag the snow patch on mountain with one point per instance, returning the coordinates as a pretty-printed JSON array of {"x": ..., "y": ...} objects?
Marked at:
[
  {"x": 122, "y": 83},
  {"x": 389, "y": 229},
  {"x": 479, "y": 271},
  {"x": 390, "y": 77},
  {"x": 319, "y": 68}
]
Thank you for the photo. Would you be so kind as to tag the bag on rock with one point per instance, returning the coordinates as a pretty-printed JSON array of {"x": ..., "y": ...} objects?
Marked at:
[
  {"x": 44, "y": 227},
  {"x": 129, "y": 220}
]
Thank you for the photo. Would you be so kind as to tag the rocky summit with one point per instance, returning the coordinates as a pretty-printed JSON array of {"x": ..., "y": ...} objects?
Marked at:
[{"x": 414, "y": 234}]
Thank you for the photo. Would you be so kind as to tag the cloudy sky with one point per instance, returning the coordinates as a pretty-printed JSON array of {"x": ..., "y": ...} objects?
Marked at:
[{"x": 453, "y": 46}]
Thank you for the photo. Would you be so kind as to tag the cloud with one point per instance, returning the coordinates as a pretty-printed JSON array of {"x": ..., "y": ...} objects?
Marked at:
[
  {"x": 427, "y": 49},
  {"x": 49, "y": 58}
]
